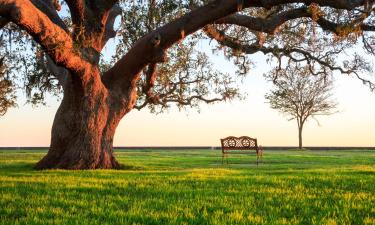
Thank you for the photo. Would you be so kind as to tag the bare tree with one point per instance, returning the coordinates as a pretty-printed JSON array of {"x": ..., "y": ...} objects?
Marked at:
[
  {"x": 299, "y": 95},
  {"x": 65, "y": 56}
]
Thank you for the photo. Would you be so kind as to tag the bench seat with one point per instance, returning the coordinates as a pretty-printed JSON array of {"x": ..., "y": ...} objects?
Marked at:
[{"x": 240, "y": 145}]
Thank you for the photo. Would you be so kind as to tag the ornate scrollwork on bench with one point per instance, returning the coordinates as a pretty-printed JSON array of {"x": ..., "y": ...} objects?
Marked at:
[{"x": 240, "y": 145}]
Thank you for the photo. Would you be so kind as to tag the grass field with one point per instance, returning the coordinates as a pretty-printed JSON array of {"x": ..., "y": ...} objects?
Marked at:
[{"x": 192, "y": 187}]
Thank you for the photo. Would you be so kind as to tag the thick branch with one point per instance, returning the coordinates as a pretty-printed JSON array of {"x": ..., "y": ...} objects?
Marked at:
[
  {"x": 81, "y": 10},
  {"x": 150, "y": 79},
  {"x": 49, "y": 9},
  {"x": 77, "y": 10},
  {"x": 109, "y": 27},
  {"x": 224, "y": 40},
  {"x": 338, "y": 4},
  {"x": 106, "y": 4},
  {"x": 154, "y": 44},
  {"x": 270, "y": 24},
  {"x": 3, "y": 22},
  {"x": 151, "y": 48},
  {"x": 57, "y": 43},
  {"x": 60, "y": 73},
  {"x": 148, "y": 86},
  {"x": 93, "y": 22}
]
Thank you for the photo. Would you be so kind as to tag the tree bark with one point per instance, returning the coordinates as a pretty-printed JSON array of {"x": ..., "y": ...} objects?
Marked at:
[
  {"x": 84, "y": 127},
  {"x": 300, "y": 137}
]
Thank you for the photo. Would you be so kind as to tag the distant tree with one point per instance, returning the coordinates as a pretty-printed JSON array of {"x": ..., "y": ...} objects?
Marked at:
[{"x": 299, "y": 95}]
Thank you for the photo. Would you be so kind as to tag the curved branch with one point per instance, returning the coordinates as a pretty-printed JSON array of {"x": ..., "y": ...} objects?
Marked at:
[
  {"x": 3, "y": 22},
  {"x": 270, "y": 24},
  {"x": 150, "y": 80},
  {"x": 151, "y": 48},
  {"x": 49, "y": 7},
  {"x": 338, "y": 4},
  {"x": 224, "y": 40},
  {"x": 93, "y": 21},
  {"x": 189, "y": 100},
  {"x": 147, "y": 88},
  {"x": 60, "y": 73},
  {"x": 57, "y": 43},
  {"x": 106, "y": 4},
  {"x": 155, "y": 43},
  {"x": 171, "y": 97},
  {"x": 77, "y": 10},
  {"x": 109, "y": 27}
]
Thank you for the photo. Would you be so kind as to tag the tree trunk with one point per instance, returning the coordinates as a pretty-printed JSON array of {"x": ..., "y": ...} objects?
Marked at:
[
  {"x": 300, "y": 137},
  {"x": 83, "y": 130}
]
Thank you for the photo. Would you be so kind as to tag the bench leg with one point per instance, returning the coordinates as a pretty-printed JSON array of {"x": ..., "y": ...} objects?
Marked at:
[{"x": 225, "y": 156}]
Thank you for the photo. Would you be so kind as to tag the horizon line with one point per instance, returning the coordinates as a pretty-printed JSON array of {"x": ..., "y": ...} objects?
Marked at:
[{"x": 202, "y": 147}]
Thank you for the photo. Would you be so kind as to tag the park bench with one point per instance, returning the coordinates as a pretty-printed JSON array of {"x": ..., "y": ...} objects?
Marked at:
[{"x": 240, "y": 145}]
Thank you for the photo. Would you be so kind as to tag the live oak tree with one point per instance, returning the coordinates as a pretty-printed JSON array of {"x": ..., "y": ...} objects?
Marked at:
[
  {"x": 299, "y": 95},
  {"x": 61, "y": 52}
]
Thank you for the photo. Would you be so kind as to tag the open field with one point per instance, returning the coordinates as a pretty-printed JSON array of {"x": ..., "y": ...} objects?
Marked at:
[{"x": 192, "y": 187}]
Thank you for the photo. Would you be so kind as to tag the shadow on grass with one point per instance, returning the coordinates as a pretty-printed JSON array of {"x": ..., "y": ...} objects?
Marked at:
[
  {"x": 17, "y": 167},
  {"x": 130, "y": 167}
]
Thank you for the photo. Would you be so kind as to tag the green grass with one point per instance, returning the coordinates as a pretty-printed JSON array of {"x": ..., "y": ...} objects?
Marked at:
[{"x": 192, "y": 187}]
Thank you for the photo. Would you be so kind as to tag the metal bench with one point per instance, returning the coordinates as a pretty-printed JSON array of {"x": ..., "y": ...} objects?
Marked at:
[{"x": 240, "y": 145}]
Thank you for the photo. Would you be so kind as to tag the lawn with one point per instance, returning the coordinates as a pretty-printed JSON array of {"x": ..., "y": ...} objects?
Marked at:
[{"x": 193, "y": 187}]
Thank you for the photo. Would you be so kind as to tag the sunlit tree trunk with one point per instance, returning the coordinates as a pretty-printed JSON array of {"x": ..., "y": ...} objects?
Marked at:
[
  {"x": 300, "y": 137},
  {"x": 84, "y": 127}
]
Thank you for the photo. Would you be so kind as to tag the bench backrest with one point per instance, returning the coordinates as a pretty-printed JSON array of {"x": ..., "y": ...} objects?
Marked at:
[{"x": 239, "y": 143}]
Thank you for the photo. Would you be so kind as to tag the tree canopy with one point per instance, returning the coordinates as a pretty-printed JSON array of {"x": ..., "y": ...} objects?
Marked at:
[{"x": 315, "y": 32}]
